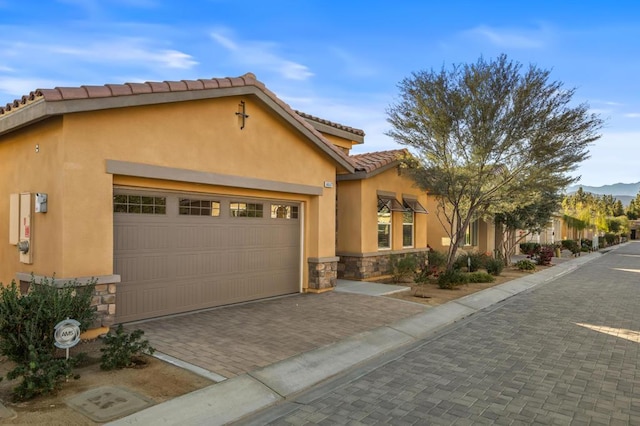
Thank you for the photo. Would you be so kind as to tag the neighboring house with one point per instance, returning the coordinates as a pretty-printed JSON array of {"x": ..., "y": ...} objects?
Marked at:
[
  {"x": 380, "y": 214},
  {"x": 178, "y": 196},
  {"x": 480, "y": 236},
  {"x": 634, "y": 229},
  {"x": 552, "y": 233}
]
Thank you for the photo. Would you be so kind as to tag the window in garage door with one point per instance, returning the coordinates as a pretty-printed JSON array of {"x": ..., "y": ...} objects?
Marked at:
[
  {"x": 140, "y": 204},
  {"x": 245, "y": 209},
  {"x": 284, "y": 211},
  {"x": 191, "y": 207}
]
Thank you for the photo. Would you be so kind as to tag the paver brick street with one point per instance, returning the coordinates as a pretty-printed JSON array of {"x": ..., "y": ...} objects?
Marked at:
[{"x": 565, "y": 353}]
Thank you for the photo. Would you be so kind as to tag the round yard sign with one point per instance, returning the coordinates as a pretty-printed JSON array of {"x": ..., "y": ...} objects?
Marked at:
[{"x": 67, "y": 333}]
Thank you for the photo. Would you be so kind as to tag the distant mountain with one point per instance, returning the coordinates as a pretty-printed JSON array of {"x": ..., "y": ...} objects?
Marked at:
[
  {"x": 630, "y": 189},
  {"x": 624, "y": 192}
]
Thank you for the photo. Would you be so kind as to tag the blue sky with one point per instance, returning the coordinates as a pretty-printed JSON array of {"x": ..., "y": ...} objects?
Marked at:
[{"x": 337, "y": 60}]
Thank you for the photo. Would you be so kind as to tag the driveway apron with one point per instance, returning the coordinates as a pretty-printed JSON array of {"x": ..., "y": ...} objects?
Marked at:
[{"x": 232, "y": 340}]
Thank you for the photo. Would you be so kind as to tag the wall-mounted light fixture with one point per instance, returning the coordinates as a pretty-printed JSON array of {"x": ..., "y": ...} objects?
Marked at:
[{"x": 242, "y": 114}]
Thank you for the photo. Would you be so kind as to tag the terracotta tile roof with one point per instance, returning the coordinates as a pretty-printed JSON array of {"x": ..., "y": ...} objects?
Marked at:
[
  {"x": 372, "y": 161},
  {"x": 339, "y": 126},
  {"x": 129, "y": 89},
  {"x": 132, "y": 89}
]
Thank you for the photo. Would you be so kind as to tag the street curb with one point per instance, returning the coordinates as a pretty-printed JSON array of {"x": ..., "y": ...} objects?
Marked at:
[{"x": 244, "y": 395}]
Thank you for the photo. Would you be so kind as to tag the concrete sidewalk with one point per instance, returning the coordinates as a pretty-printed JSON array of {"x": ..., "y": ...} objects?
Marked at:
[{"x": 248, "y": 393}]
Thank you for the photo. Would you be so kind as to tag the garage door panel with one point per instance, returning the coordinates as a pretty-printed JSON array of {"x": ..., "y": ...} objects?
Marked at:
[
  {"x": 176, "y": 263},
  {"x": 189, "y": 294}
]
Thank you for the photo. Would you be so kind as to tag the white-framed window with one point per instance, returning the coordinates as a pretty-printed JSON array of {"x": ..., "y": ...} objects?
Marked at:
[
  {"x": 387, "y": 204},
  {"x": 471, "y": 235},
  {"x": 384, "y": 227},
  {"x": 407, "y": 228}
]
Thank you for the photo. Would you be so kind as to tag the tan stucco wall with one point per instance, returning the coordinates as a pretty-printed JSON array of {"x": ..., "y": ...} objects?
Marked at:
[
  {"x": 486, "y": 237},
  {"x": 358, "y": 213},
  {"x": 199, "y": 135},
  {"x": 22, "y": 169},
  {"x": 438, "y": 237},
  {"x": 340, "y": 142}
]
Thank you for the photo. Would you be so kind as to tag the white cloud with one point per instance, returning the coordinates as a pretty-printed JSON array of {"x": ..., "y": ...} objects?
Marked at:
[
  {"x": 510, "y": 37},
  {"x": 261, "y": 55},
  {"x": 225, "y": 42},
  {"x": 633, "y": 115},
  {"x": 133, "y": 51},
  {"x": 124, "y": 51}
]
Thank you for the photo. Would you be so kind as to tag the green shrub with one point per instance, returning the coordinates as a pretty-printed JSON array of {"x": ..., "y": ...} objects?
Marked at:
[
  {"x": 452, "y": 278},
  {"x": 494, "y": 266},
  {"x": 41, "y": 375},
  {"x": 27, "y": 332},
  {"x": 30, "y": 319},
  {"x": 422, "y": 270},
  {"x": 480, "y": 277},
  {"x": 611, "y": 238},
  {"x": 122, "y": 348},
  {"x": 571, "y": 245},
  {"x": 525, "y": 265},
  {"x": 437, "y": 260},
  {"x": 428, "y": 264},
  {"x": 478, "y": 261},
  {"x": 402, "y": 267},
  {"x": 529, "y": 249}
]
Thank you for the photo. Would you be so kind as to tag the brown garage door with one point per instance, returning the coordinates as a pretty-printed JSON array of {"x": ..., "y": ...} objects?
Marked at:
[{"x": 181, "y": 252}]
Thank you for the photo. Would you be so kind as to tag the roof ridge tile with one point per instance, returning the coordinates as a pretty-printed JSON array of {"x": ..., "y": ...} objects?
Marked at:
[{"x": 349, "y": 129}]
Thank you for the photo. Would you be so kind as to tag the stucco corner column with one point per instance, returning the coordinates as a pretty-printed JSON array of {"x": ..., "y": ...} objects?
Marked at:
[{"x": 323, "y": 274}]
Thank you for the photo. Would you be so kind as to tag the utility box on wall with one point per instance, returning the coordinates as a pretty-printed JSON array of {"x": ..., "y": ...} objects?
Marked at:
[
  {"x": 24, "y": 245},
  {"x": 14, "y": 219},
  {"x": 20, "y": 228},
  {"x": 41, "y": 203}
]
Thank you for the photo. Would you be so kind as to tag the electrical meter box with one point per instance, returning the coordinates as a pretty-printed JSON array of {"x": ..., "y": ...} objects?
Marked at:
[{"x": 41, "y": 203}]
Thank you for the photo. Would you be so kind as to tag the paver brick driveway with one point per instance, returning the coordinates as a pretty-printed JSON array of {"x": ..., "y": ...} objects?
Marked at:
[{"x": 236, "y": 339}]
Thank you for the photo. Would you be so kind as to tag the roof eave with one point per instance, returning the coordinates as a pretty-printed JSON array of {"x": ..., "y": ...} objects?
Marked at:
[
  {"x": 330, "y": 130},
  {"x": 363, "y": 174}
]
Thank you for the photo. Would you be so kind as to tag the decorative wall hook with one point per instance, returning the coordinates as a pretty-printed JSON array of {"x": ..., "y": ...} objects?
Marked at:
[{"x": 242, "y": 113}]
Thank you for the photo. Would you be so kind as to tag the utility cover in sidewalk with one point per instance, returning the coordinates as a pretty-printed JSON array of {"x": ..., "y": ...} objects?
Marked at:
[{"x": 108, "y": 403}]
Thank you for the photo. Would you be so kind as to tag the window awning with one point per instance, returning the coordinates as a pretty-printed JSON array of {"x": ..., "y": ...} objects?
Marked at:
[
  {"x": 390, "y": 202},
  {"x": 414, "y": 205}
]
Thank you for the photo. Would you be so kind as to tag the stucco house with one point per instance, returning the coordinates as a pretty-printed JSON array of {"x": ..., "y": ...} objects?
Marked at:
[
  {"x": 480, "y": 236},
  {"x": 179, "y": 196},
  {"x": 378, "y": 197}
]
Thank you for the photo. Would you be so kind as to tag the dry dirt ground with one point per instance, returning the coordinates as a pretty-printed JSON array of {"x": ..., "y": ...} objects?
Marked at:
[
  {"x": 157, "y": 380},
  {"x": 162, "y": 381},
  {"x": 430, "y": 294}
]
